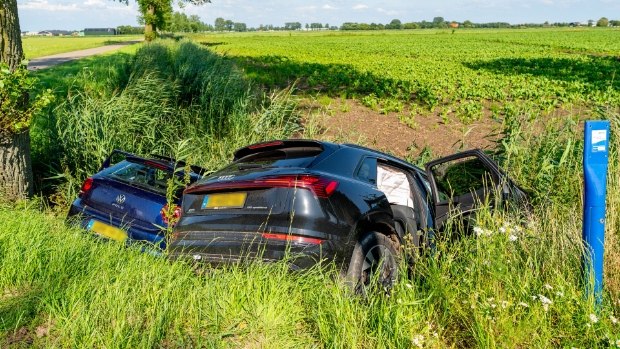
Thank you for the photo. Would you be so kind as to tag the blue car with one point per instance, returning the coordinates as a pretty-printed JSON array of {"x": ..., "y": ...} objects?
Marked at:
[{"x": 126, "y": 199}]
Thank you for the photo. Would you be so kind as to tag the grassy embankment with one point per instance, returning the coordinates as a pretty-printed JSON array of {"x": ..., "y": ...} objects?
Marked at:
[
  {"x": 39, "y": 46},
  {"x": 477, "y": 291}
]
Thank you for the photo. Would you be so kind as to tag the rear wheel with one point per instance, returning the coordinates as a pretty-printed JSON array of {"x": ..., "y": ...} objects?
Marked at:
[{"x": 374, "y": 264}]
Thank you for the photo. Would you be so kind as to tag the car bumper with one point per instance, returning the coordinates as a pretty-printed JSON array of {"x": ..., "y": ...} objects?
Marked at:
[
  {"x": 224, "y": 248},
  {"x": 136, "y": 230}
]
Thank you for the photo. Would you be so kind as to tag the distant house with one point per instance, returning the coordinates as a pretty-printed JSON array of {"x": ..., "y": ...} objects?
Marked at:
[
  {"x": 454, "y": 25},
  {"x": 99, "y": 31},
  {"x": 45, "y": 33},
  {"x": 578, "y": 24},
  {"x": 60, "y": 32}
]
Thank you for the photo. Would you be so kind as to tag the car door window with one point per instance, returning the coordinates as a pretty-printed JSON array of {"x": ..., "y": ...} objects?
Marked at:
[
  {"x": 460, "y": 177},
  {"x": 395, "y": 185},
  {"x": 367, "y": 170}
]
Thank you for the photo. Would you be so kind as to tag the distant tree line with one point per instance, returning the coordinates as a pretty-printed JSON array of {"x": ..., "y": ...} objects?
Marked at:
[
  {"x": 127, "y": 29},
  {"x": 180, "y": 22},
  {"x": 440, "y": 23},
  {"x": 222, "y": 24}
]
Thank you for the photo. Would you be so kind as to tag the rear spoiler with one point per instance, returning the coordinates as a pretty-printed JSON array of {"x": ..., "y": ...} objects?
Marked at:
[
  {"x": 169, "y": 163},
  {"x": 279, "y": 144}
]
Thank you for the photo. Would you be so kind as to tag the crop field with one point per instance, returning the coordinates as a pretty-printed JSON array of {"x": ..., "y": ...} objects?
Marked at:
[
  {"x": 40, "y": 46},
  {"x": 462, "y": 75},
  {"x": 516, "y": 283}
]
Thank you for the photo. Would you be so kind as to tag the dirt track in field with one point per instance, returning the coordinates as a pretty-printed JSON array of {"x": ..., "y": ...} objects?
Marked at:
[{"x": 48, "y": 61}]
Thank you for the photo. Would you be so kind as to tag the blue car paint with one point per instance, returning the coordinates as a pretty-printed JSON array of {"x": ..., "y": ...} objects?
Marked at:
[{"x": 138, "y": 214}]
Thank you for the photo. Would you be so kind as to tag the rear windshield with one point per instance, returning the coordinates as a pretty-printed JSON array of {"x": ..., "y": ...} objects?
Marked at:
[
  {"x": 142, "y": 176},
  {"x": 300, "y": 157}
]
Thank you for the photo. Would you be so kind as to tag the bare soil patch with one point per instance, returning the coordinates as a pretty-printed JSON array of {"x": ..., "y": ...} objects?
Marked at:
[{"x": 349, "y": 121}]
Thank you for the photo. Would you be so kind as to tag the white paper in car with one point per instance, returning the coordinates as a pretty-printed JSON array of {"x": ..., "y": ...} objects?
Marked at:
[{"x": 394, "y": 185}]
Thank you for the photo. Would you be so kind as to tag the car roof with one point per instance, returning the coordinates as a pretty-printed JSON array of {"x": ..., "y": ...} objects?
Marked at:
[
  {"x": 386, "y": 156},
  {"x": 325, "y": 145}
]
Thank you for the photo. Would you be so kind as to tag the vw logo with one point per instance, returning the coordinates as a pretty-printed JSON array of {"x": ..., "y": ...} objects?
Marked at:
[{"x": 120, "y": 199}]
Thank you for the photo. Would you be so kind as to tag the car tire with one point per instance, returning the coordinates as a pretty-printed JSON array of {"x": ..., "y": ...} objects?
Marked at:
[{"x": 374, "y": 264}]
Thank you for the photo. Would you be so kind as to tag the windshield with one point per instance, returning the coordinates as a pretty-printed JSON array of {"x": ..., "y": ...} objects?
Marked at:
[{"x": 143, "y": 176}]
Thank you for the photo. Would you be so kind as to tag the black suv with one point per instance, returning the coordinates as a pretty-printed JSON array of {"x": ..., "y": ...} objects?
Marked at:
[{"x": 337, "y": 202}]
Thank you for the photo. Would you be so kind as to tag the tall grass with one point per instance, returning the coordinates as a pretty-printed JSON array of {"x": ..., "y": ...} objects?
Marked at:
[
  {"x": 513, "y": 283},
  {"x": 169, "y": 92}
]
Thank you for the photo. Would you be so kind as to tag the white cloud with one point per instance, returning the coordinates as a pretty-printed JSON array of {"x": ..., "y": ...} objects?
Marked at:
[
  {"x": 547, "y": 2},
  {"x": 359, "y": 7},
  {"x": 44, "y": 5},
  {"x": 97, "y": 3},
  {"x": 327, "y": 7},
  {"x": 392, "y": 12}
]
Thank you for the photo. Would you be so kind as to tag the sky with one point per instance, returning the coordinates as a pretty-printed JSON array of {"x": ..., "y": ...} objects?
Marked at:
[{"x": 35, "y": 15}]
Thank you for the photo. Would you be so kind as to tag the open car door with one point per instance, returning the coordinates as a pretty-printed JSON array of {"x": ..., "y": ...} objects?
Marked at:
[{"x": 460, "y": 182}]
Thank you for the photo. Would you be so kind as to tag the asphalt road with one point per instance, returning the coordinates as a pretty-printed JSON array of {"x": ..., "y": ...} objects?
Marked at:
[{"x": 48, "y": 61}]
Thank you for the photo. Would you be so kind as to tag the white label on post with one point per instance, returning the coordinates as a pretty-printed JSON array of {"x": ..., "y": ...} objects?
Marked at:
[{"x": 599, "y": 140}]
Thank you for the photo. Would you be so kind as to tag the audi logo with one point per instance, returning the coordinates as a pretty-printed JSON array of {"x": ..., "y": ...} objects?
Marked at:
[{"x": 120, "y": 199}]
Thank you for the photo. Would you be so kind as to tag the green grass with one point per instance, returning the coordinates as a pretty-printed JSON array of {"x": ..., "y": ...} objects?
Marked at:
[
  {"x": 488, "y": 291},
  {"x": 546, "y": 69},
  {"x": 40, "y": 46}
]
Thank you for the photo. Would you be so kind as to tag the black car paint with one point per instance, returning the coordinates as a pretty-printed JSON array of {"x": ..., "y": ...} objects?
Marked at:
[{"x": 354, "y": 208}]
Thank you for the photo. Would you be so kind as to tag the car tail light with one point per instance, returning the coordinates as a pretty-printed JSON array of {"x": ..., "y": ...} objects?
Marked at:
[
  {"x": 156, "y": 165},
  {"x": 88, "y": 184},
  {"x": 170, "y": 220},
  {"x": 264, "y": 145},
  {"x": 320, "y": 186},
  {"x": 293, "y": 238}
]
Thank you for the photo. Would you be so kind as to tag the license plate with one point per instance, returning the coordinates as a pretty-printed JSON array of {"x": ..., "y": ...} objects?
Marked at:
[
  {"x": 219, "y": 201},
  {"x": 107, "y": 231}
]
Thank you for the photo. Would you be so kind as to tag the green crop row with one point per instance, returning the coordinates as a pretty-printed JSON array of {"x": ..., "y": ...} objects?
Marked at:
[{"x": 549, "y": 69}]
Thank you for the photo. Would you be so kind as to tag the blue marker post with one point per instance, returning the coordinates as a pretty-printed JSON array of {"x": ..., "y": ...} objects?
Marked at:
[{"x": 595, "y": 160}]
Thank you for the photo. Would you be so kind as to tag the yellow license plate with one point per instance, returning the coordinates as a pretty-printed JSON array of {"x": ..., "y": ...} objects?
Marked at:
[
  {"x": 218, "y": 201},
  {"x": 107, "y": 231}
]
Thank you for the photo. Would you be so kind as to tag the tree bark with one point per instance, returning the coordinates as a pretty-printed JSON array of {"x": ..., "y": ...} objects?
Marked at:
[
  {"x": 11, "y": 51},
  {"x": 15, "y": 165},
  {"x": 149, "y": 26}
]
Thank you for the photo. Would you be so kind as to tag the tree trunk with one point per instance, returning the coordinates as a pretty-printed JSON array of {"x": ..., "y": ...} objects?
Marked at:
[
  {"x": 11, "y": 51},
  {"x": 150, "y": 28},
  {"x": 15, "y": 165}
]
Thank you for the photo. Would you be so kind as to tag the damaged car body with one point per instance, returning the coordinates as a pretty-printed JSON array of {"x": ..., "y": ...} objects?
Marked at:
[
  {"x": 126, "y": 199},
  {"x": 342, "y": 203}
]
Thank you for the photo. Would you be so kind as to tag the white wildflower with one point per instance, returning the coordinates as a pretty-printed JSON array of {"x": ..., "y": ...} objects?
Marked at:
[
  {"x": 502, "y": 229},
  {"x": 613, "y": 319},
  {"x": 408, "y": 285},
  {"x": 534, "y": 297},
  {"x": 435, "y": 334},
  {"x": 546, "y": 307},
  {"x": 491, "y": 299},
  {"x": 493, "y": 305},
  {"x": 549, "y": 287},
  {"x": 618, "y": 343},
  {"x": 478, "y": 231},
  {"x": 544, "y": 300},
  {"x": 399, "y": 301},
  {"x": 522, "y": 304},
  {"x": 560, "y": 294},
  {"x": 593, "y": 318},
  {"x": 512, "y": 238},
  {"x": 504, "y": 304},
  {"x": 418, "y": 341},
  {"x": 588, "y": 325}
]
